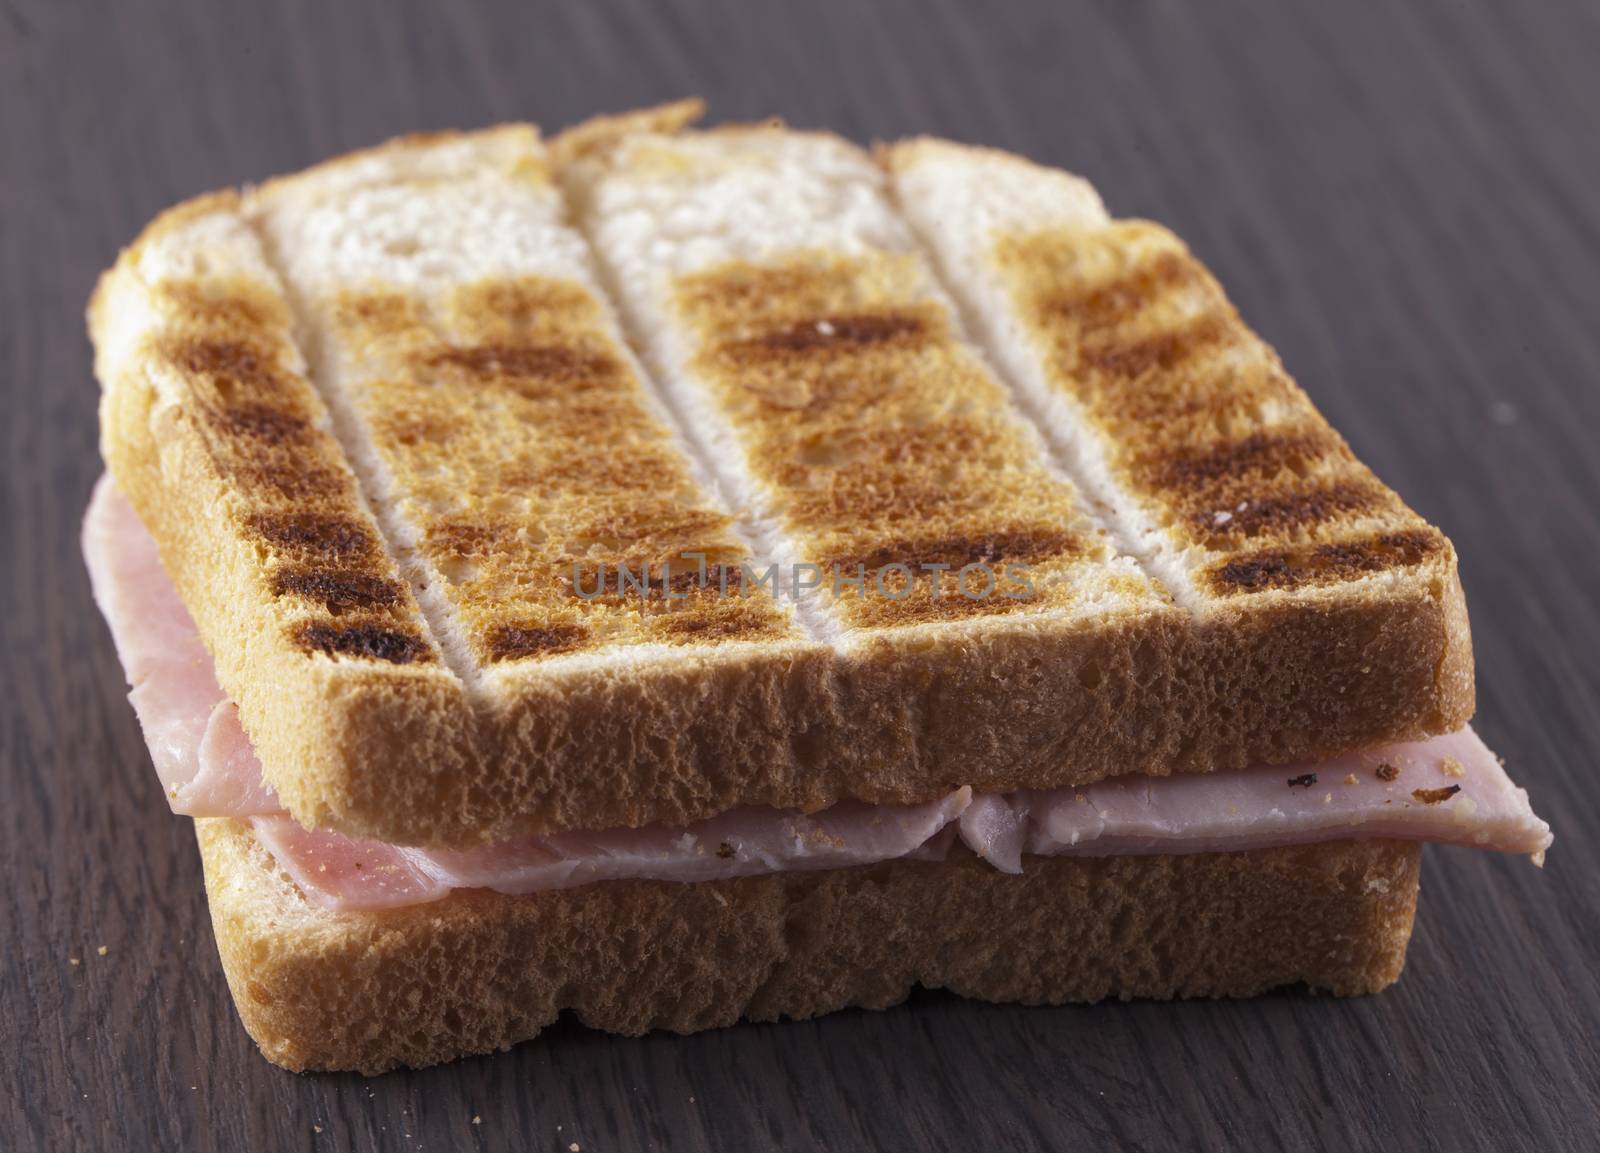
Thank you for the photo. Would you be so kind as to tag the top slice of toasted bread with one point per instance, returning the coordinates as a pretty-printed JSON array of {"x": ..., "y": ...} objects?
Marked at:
[
  {"x": 393, "y": 440},
  {"x": 1216, "y": 467}
]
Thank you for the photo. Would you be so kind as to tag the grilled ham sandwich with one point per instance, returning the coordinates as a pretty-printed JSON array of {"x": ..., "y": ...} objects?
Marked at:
[{"x": 679, "y": 575}]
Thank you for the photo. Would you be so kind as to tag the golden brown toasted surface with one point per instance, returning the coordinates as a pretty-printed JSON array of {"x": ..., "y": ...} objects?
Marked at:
[
  {"x": 880, "y": 439},
  {"x": 480, "y": 971},
  {"x": 226, "y": 347},
  {"x": 1197, "y": 416},
  {"x": 528, "y": 481},
  {"x": 464, "y": 370},
  {"x": 522, "y": 451},
  {"x": 214, "y": 432}
]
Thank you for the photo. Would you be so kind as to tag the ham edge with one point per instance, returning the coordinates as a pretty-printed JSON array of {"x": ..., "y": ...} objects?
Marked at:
[{"x": 1448, "y": 789}]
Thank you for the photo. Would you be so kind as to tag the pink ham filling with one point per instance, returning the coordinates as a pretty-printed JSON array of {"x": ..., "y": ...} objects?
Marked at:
[
  {"x": 1450, "y": 789},
  {"x": 201, "y": 753},
  {"x": 342, "y": 873}
]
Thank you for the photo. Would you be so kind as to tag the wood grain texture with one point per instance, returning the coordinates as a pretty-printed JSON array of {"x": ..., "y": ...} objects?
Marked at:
[{"x": 1401, "y": 200}]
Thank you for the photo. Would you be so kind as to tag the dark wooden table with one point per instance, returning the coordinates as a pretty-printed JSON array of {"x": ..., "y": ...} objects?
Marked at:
[{"x": 1404, "y": 202}]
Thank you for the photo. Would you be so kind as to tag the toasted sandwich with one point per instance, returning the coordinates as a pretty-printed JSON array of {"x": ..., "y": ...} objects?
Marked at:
[{"x": 680, "y": 575}]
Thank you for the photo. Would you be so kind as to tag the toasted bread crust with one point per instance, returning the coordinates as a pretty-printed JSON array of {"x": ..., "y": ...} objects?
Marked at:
[
  {"x": 479, "y": 971},
  {"x": 362, "y": 724},
  {"x": 1215, "y": 465}
]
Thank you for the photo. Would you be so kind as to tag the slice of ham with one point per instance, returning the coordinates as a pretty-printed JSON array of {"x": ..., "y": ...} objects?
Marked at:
[
  {"x": 202, "y": 756},
  {"x": 1449, "y": 788},
  {"x": 339, "y": 872},
  {"x": 209, "y": 769}
]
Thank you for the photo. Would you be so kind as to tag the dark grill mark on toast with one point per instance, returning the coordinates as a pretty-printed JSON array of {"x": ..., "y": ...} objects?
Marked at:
[
  {"x": 1286, "y": 512},
  {"x": 511, "y": 420},
  {"x": 1017, "y": 546},
  {"x": 314, "y": 536},
  {"x": 923, "y": 608},
  {"x": 364, "y": 641},
  {"x": 338, "y": 591},
  {"x": 536, "y": 368},
  {"x": 1109, "y": 304},
  {"x": 1196, "y": 415},
  {"x": 496, "y": 310},
  {"x": 230, "y": 367},
  {"x": 1256, "y": 457},
  {"x": 838, "y": 333},
  {"x": 725, "y": 621},
  {"x": 878, "y": 434},
  {"x": 683, "y": 576},
  {"x": 1329, "y": 563},
  {"x": 602, "y": 582},
  {"x": 515, "y": 642},
  {"x": 759, "y": 297},
  {"x": 834, "y": 359},
  {"x": 293, "y": 481},
  {"x": 295, "y": 500},
  {"x": 264, "y": 423},
  {"x": 1163, "y": 352},
  {"x": 724, "y": 576},
  {"x": 460, "y": 539}
]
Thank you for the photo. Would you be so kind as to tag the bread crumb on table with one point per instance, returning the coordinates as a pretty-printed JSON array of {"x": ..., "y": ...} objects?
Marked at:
[{"x": 101, "y": 950}]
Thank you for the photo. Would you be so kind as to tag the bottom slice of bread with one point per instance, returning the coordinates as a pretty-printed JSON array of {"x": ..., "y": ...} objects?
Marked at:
[{"x": 479, "y": 971}]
